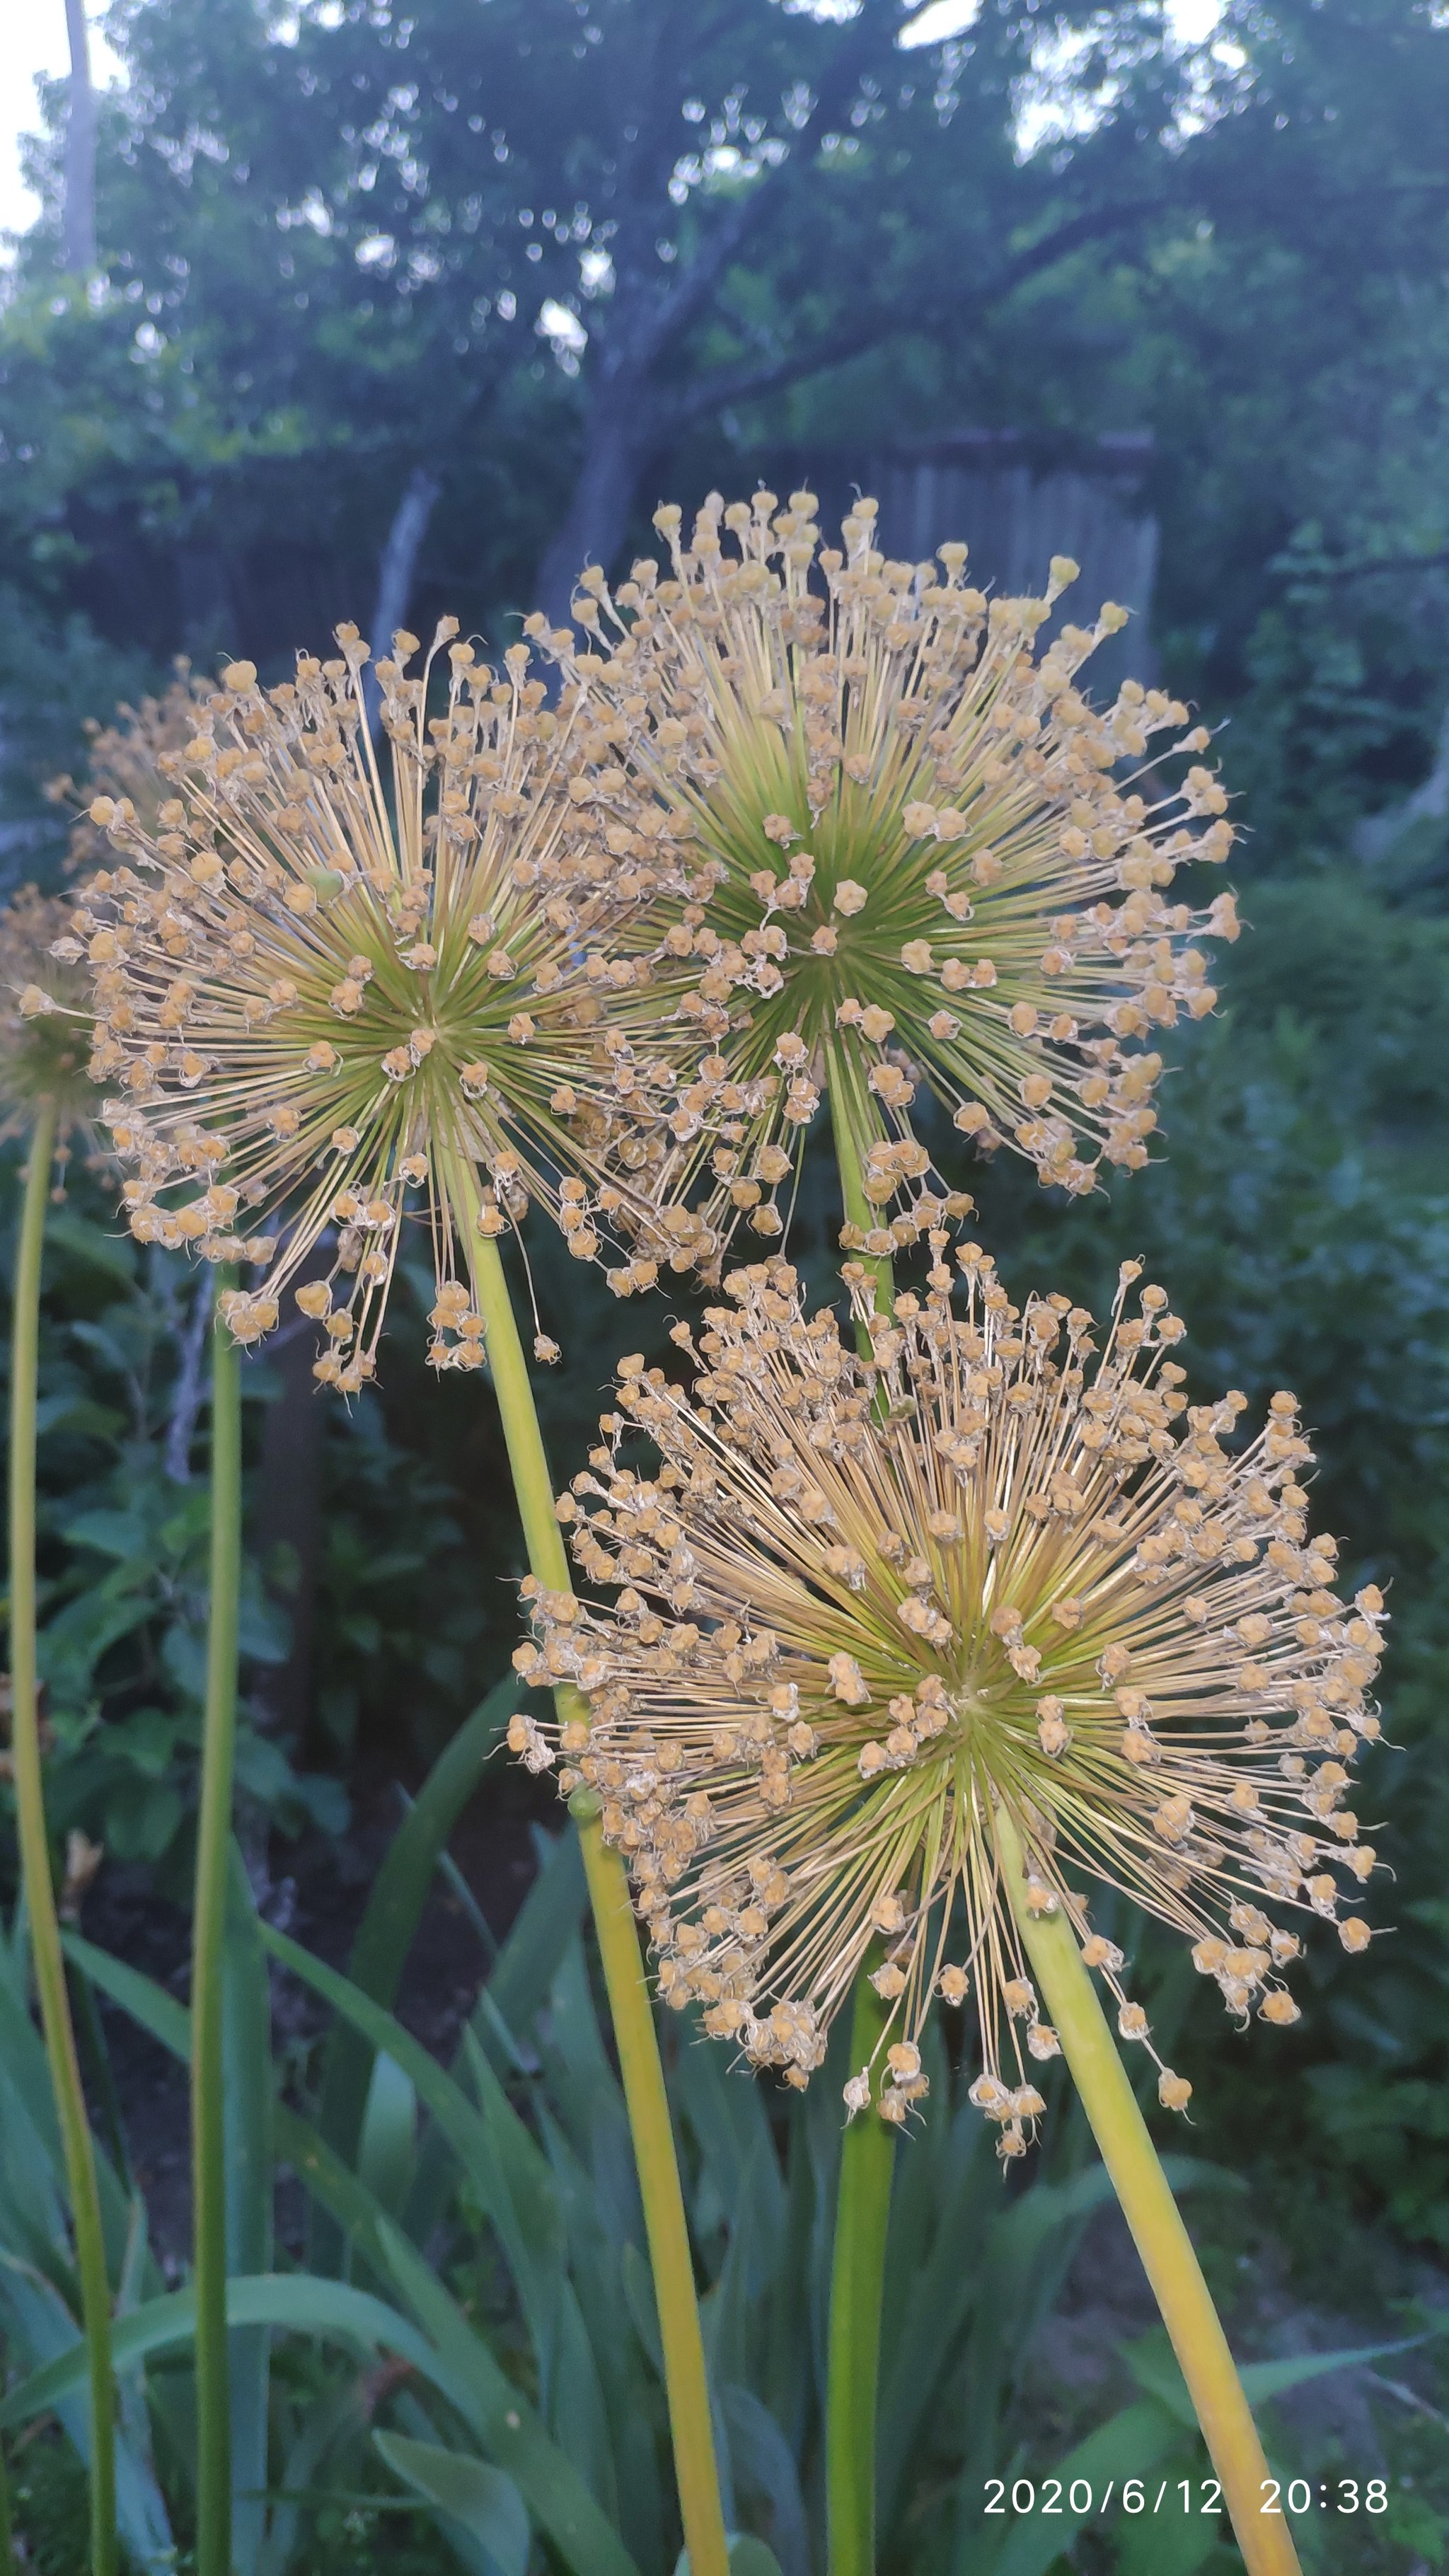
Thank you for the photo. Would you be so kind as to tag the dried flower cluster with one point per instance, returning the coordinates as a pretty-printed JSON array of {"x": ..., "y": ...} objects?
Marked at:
[
  {"x": 315, "y": 998},
  {"x": 865, "y": 1602},
  {"x": 42, "y": 1050},
  {"x": 932, "y": 860},
  {"x": 123, "y": 763}
]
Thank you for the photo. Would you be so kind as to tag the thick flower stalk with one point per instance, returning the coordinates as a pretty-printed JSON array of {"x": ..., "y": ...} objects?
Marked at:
[
  {"x": 43, "y": 1095},
  {"x": 933, "y": 861},
  {"x": 324, "y": 1006},
  {"x": 320, "y": 1003},
  {"x": 871, "y": 1608}
]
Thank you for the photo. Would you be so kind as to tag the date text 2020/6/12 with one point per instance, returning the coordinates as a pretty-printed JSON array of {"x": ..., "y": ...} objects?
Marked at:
[{"x": 1081, "y": 2500}]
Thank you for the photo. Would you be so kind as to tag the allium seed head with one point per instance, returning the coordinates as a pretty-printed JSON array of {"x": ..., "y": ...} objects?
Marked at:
[
  {"x": 870, "y": 1605},
  {"x": 43, "y": 988},
  {"x": 320, "y": 1000},
  {"x": 933, "y": 860},
  {"x": 122, "y": 764}
]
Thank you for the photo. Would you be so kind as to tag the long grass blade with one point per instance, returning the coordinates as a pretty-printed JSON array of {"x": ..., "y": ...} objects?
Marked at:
[
  {"x": 389, "y": 1925},
  {"x": 465, "y": 2493},
  {"x": 247, "y": 2059}
]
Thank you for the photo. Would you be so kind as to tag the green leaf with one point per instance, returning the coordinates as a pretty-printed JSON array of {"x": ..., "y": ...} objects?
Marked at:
[
  {"x": 146, "y": 1740},
  {"x": 524, "y": 2204},
  {"x": 643, "y": 2306},
  {"x": 46, "y": 2326},
  {"x": 247, "y": 2111},
  {"x": 320, "y": 2170},
  {"x": 264, "y": 1631},
  {"x": 145, "y": 2001},
  {"x": 466, "y": 2491},
  {"x": 748, "y": 2557},
  {"x": 35, "y": 2133},
  {"x": 389, "y": 2125},
  {"x": 1172, "y": 2542},
  {"x": 142, "y": 1819},
  {"x": 1154, "y": 2366},
  {"x": 1264, "y": 2379},
  {"x": 481, "y": 2393},
  {"x": 493, "y": 2146},
  {"x": 332, "y": 2310},
  {"x": 517, "y": 1988},
  {"x": 1131, "y": 2443},
  {"x": 555, "y": 2494},
  {"x": 111, "y": 1253},
  {"x": 73, "y": 1642},
  {"x": 509, "y": 2170},
  {"x": 385, "y": 1934},
  {"x": 122, "y": 1535},
  {"x": 542, "y": 1930},
  {"x": 764, "y": 2465}
]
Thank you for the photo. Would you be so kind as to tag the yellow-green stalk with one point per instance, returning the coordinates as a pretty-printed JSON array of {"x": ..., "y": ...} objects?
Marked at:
[
  {"x": 1153, "y": 2216},
  {"x": 867, "y": 2150},
  {"x": 1122, "y": 2137},
  {"x": 686, "y": 2383},
  {"x": 9, "y": 2563},
  {"x": 866, "y": 1607},
  {"x": 379, "y": 995},
  {"x": 213, "y": 1842},
  {"x": 34, "y": 1844},
  {"x": 857, "y": 2291}
]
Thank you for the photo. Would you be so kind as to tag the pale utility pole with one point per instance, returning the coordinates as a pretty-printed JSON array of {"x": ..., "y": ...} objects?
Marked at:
[{"x": 79, "y": 213}]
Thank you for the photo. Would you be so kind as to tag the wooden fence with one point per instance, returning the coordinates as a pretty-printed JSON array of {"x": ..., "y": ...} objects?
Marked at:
[{"x": 1015, "y": 510}]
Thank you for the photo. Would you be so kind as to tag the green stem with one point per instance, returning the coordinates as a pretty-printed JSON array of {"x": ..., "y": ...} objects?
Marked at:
[
  {"x": 857, "y": 2291},
  {"x": 9, "y": 2563},
  {"x": 34, "y": 1841},
  {"x": 850, "y": 1124},
  {"x": 635, "y": 2036},
  {"x": 867, "y": 2150},
  {"x": 1153, "y": 2216},
  {"x": 213, "y": 1842}
]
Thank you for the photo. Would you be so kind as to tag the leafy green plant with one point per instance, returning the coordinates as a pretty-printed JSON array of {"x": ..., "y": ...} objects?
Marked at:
[
  {"x": 123, "y": 1532},
  {"x": 474, "y": 2336}
]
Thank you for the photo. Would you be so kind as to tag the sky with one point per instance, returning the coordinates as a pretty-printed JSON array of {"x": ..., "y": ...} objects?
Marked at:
[{"x": 32, "y": 41}]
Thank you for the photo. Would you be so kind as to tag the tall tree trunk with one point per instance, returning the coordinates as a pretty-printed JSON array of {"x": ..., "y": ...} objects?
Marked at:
[
  {"x": 619, "y": 434},
  {"x": 397, "y": 569},
  {"x": 79, "y": 225}
]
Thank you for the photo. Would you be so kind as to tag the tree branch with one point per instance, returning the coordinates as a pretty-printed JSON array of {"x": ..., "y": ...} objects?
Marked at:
[
  {"x": 1363, "y": 570},
  {"x": 868, "y": 327},
  {"x": 662, "y": 319}
]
